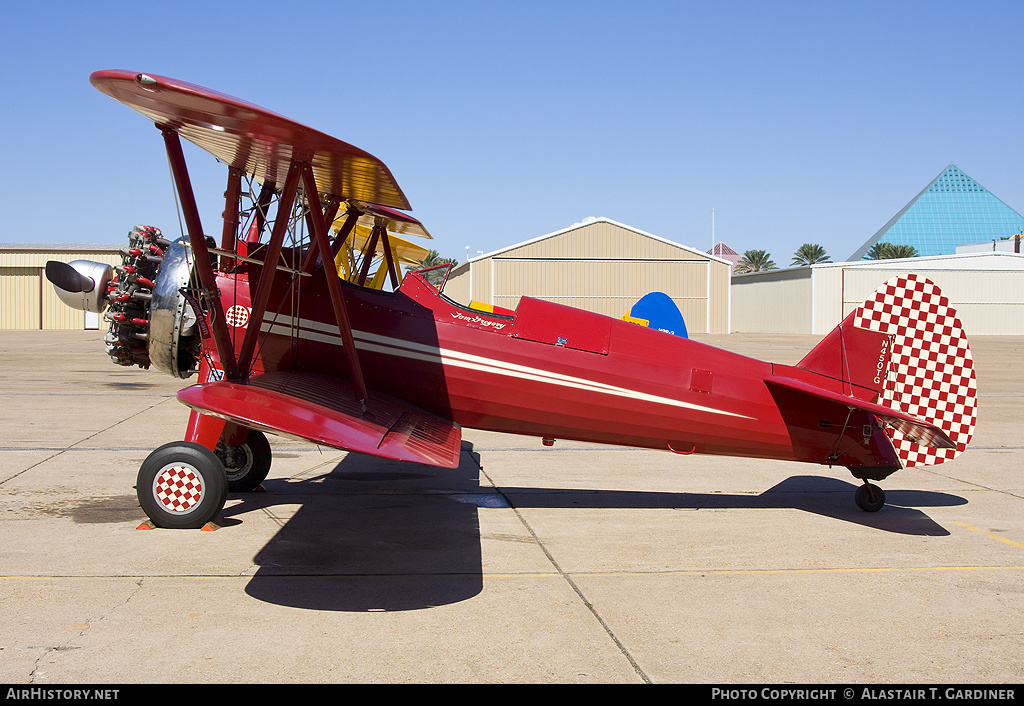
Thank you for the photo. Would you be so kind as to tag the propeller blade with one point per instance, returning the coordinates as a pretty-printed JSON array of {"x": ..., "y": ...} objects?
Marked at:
[{"x": 67, "y": 277}]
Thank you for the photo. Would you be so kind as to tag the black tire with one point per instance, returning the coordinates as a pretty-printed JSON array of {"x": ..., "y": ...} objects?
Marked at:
[
  {"x": 870, "y": 498},
  {"x": 248, "y": 464},
  {"x": 182, "y": 485}
]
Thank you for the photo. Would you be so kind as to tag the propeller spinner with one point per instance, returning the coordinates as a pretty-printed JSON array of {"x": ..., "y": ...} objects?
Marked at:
[
  {"x": 81, "y": 284},
  {"x": 63, "y": 275}
]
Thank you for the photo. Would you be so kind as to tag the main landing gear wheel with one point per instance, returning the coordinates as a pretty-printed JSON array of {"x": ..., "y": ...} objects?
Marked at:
[
  {"x": 182, "y": 485},
  {"x": 870, "y": 498},
  {"x": 247, "y": 464}
]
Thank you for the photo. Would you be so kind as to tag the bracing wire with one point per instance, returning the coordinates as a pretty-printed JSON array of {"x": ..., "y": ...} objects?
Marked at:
[{"x": 177, "y": 203}]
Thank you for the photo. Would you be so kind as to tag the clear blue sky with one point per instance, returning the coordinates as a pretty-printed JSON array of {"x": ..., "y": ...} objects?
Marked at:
[{"x": 503, "y": 121}]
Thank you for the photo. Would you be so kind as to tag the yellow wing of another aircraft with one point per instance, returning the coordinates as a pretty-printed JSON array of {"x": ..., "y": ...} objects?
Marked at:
[{"x": 403, "y": 252}]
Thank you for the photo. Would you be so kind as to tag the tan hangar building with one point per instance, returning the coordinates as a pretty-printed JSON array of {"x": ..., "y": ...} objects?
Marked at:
[
  {"x": 27, "y": 299},
  {"x": 601, "y": 266}
]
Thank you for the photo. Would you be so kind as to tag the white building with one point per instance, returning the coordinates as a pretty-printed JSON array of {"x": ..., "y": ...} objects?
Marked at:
[{"x": 986, "y": 289}]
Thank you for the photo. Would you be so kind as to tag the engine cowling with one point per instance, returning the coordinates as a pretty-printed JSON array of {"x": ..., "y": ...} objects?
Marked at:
[{"x": 174, "y": 343}]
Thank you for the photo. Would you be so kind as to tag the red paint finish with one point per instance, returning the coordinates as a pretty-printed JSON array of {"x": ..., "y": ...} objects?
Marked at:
[
  {"x": 621, "y": 384},
  {"x": 325, "y": 410},
  {"x": 560, "y": 325},
  {"x": 253, "y": 139}
]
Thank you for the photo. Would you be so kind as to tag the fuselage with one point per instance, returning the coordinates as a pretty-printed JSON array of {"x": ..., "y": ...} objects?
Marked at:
[{"x": 548, "y": 371}]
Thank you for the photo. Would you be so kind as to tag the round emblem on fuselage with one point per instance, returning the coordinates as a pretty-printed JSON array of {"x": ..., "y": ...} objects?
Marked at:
[{"x": 237, "y": 316}]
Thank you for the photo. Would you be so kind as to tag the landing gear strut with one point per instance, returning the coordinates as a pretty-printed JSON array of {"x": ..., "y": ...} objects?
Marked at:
[{"x": 869, "y": 497}]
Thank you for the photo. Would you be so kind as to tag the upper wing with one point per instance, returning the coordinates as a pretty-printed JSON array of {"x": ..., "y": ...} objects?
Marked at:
[
  {"x": 253, "y": 139},
  {"x": 398, "y": 222},
  {"x": 324, "y": 410}
]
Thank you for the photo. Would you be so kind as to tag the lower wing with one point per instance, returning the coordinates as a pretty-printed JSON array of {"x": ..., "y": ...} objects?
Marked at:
[{"x": 324, "y": 409}]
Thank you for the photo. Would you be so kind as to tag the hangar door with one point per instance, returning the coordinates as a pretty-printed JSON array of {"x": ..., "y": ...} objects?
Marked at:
[
  {"x": 21, "y": 296},
  {"x": 29, "y": 302},
  {"x": 605, "y": 286}
]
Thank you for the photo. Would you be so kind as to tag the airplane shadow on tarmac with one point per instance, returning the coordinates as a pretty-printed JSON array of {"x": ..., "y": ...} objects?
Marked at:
[
  {"x": 371, "y": 535},
  {"x": 380, "y": 535}
]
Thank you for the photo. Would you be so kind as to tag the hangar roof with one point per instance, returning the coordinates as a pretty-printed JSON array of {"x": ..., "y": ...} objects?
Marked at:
[{"x": 590, "y": 221}]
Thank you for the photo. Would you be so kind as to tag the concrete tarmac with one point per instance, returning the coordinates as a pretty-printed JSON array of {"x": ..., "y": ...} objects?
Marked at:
[{"x": 570, "y": 564}]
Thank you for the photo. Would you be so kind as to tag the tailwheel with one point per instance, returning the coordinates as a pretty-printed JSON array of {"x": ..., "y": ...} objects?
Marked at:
[
  {"x": 182, "y": 485},
  {"x": 248, "y": 463},
  {"x": 869, "y": 497}
]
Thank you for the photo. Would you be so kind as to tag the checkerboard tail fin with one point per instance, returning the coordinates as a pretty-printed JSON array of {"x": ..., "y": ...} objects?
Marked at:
[{"x": 930, "y": 372}]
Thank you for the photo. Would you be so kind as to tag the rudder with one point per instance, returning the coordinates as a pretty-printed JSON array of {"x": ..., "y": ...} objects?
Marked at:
[{"x": 930, "y": 373}]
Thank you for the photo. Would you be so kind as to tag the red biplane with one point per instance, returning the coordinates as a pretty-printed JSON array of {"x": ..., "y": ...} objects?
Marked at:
[{"x": 287, "y": 342}]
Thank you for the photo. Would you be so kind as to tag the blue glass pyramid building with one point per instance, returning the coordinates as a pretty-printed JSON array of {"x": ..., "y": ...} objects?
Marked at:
[{"x": 952, "y": 210}]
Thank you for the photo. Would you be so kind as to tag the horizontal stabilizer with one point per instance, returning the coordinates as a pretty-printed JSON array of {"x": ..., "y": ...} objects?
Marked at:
[
  {"x": 323, "y": 409},
  {"x": 923, "y": 433}
]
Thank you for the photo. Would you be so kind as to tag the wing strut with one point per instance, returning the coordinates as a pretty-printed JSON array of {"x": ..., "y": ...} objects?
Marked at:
[
  {"x": 346, "y": 229},
  {"x": 309, "y": 262},
  {"x": 266, "y": 196},
  {"x": 259, "y": 303},
  {"x": 371, "y": 248},
  {"x": 232, "y": 194},
  {"x": 392, "y": 267},
  {"x": 197, "y": 238},
  {"x": 333, "y": 283}
]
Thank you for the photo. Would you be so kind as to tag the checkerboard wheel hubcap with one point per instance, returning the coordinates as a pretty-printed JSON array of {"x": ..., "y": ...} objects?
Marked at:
[{"x": 178, "y": 488}]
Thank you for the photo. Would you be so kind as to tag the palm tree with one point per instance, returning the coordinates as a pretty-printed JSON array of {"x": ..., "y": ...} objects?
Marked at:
[
  {"x": 880, "y": 251},
  {"x": 755, "y": 261},
  {"x": 900, "y": 251},
  {"x": 432, "y": 259},
  {"x": 810, "y": 254},
  {"x": 890, "y": 251}
]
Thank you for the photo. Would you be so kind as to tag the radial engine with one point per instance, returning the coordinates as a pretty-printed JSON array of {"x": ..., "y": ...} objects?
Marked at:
[{"x": 153, "y": 318}]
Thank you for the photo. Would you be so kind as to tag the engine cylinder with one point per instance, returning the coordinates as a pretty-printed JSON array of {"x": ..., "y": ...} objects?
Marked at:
[{"x": 151, "y": 322}]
